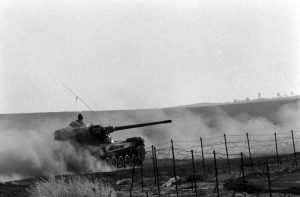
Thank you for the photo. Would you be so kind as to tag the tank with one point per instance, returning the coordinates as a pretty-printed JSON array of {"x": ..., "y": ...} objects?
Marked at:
[{"x": 97, "y": 140}]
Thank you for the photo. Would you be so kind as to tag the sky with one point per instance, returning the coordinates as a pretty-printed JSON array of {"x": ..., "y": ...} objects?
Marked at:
[{"x": 133, "y": 54}]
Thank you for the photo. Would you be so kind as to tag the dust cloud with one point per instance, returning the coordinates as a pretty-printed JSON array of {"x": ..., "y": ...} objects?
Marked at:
[
  {"x": 189, "y": 124},
  {"x": 27, "y": 147},
  {"x": 33, "y": 152}
]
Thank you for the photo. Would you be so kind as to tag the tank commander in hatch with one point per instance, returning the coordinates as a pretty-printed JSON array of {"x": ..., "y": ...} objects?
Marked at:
[{"x": 79, "y": 122}]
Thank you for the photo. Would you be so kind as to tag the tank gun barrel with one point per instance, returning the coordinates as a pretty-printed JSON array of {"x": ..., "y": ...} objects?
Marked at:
[{"x": 141, "y": 125}]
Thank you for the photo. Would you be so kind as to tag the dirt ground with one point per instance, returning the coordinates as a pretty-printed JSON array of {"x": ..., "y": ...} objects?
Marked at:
[{"x": 285, "y": 180}]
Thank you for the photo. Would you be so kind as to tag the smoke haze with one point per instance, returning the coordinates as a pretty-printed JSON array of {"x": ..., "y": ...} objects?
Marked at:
[
  {"x": 189, "y": 124},
  {"x": 27, "y": 147}
]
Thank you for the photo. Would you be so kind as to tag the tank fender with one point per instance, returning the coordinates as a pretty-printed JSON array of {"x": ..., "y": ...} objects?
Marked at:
[{"x": 137, "y": 140}]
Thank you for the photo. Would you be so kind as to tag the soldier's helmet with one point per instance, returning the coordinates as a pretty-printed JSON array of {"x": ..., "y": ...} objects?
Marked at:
[{"x": 80, "y": 117}]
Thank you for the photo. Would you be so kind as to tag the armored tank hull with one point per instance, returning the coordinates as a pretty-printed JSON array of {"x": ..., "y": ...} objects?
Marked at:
[{"x": 120, "y": 154}]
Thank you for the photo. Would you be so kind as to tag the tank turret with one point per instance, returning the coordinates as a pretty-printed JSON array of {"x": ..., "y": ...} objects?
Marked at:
[{"x": 96, "y": 133}]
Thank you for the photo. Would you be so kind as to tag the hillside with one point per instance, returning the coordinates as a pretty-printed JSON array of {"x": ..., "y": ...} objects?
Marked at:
[{"x": 266, "y": 108}]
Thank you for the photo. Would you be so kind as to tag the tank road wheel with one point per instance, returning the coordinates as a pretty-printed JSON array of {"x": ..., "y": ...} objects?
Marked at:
[
  {"x": 127, "y": 161},
  {"x": 107, "y": 161},
  {"x": 120, "y": 162},
  {"x": 113, "y": 162}
]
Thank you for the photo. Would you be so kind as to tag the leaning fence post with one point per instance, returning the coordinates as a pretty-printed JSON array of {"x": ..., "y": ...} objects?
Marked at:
[
  {"x": 277, "y": 157},
  {"x": 195, "y": 182},
  {"x": 174, "y": 168},
  {"x": 216, "y": 173},
  {"x": 203, "y": 166},
  {"x": 269, "y": 181},
  {"x": 294, "y": 147},
  {"x": 243, "y": 171},
  {"x": 227, "y": 153},
  {"x": 156, "y": 171},
  {"x": 249, "y": 152},
  {"x": 154, "y": 168}
]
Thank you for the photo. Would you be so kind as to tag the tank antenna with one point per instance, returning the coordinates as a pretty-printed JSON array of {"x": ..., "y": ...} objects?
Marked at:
[{"x": 78, "y": 98}]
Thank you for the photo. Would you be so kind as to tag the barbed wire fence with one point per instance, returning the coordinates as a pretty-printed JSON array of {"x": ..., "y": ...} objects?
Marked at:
[{"x": 224, "y": 154}]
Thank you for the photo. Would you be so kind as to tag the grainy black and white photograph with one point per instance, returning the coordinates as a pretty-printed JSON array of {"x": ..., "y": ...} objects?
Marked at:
[{"x": 138, "y": 98}]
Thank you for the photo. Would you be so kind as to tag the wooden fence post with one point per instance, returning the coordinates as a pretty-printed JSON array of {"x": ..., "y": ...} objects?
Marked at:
[
  {"x": 174, "y": 167},
  {"x": 203, "y": 165},
  {"x": 154, "y": 168},
  {"x": 249, "y": 152},
  {"x": 243, "y": 171},
  {"x": 227, "y": 153},
  {"x": 156, "y": 171},
  {"x": 295, "y": 155},
  {"x": 195, "y": 181},
  {"x": 142, "y": 182},
  {"x": 132, "y": 175},
  {"x": 277, "y": 156},
  {"x": 216, "y": 174},
  {"x": 269, "y": 180}
]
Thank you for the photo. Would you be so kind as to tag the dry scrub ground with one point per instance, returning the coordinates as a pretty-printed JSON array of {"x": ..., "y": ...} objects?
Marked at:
[{"x": 285, "y": 181}]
